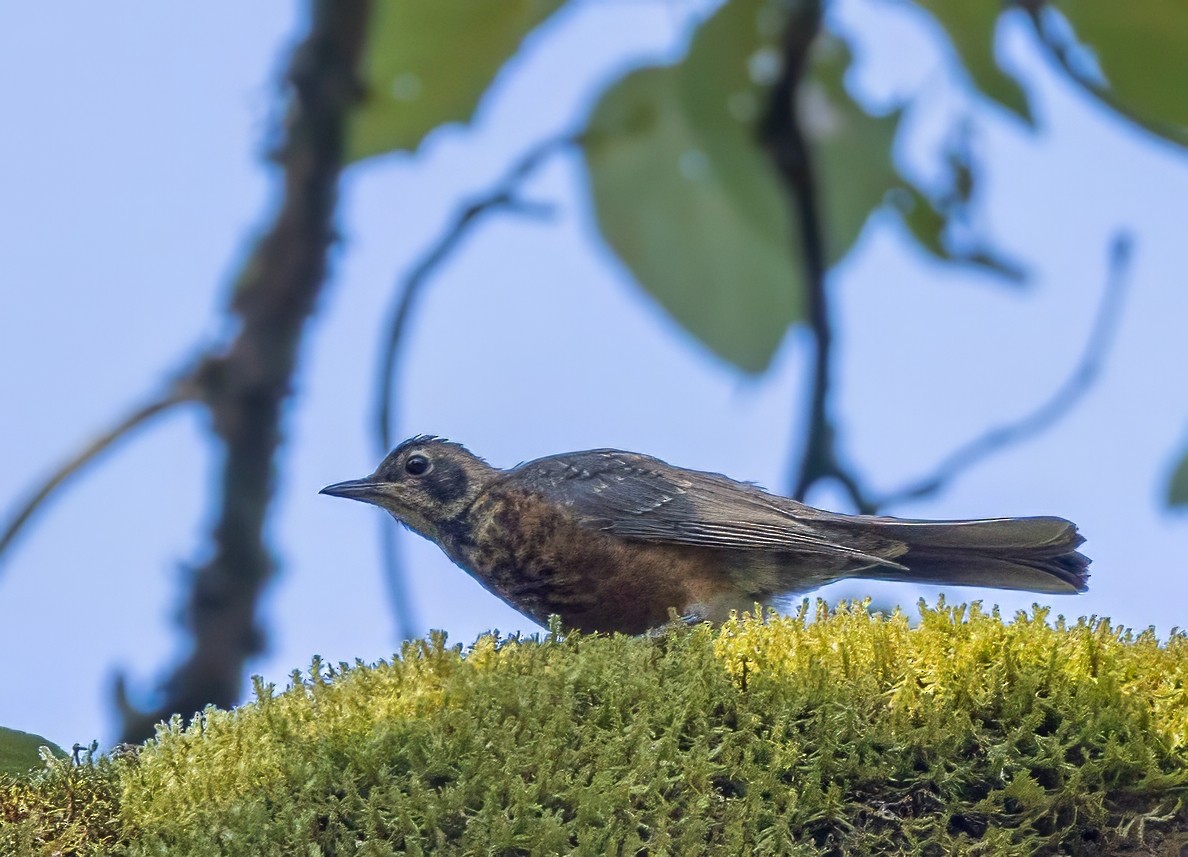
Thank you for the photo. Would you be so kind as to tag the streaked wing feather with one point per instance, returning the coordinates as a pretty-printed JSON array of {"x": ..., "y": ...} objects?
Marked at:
[{"x": 638, "y": 497}]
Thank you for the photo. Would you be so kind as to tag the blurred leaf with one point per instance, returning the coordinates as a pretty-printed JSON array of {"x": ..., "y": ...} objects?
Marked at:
[
  {"x": 723, "y": 91},
  {"x": 1142, "y": 51},
  {"x": 925, "y": 223},
  {"x": 929, "y": 226},
  {"x": 428, "y": 62},
  {"x": 690, "y": 201},
  {"x": 940, "y": 221},
  {"x": 853, "y": 149},
  {"x": 856, "y": 169},
  {"x": 686, "y": 196},
  {"x": 19, "y": 751},
  {"x": 970, "y": 27},
  {"x": 1177, "y": 492},
  {"x": 690, "y": 242}
]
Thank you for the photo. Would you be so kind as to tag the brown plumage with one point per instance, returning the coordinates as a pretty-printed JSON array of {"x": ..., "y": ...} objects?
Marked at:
[{"x": 612, "y": 541}]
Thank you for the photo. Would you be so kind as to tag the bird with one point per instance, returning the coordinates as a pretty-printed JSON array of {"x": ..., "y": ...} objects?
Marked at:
[{"x": 615, "y": 541}]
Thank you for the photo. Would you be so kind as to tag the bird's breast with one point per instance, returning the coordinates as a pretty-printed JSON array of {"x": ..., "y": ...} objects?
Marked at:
[{"x": 541, "y": 560}]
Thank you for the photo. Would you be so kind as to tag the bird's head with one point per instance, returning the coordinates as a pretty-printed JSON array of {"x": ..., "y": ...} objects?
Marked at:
[{"x": 424, "y": 483}]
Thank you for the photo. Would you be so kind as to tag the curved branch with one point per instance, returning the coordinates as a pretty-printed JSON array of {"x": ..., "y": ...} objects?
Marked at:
[
  {"x": 1066, "y": 397},
  {"x": 502, "y": 197},
  {"x": 178, "y": 393}
]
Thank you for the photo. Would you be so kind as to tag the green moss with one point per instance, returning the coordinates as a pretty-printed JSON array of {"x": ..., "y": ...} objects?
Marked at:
[
  {"x": 61, "y": 810},
  {"x": 851, "y": 733}
]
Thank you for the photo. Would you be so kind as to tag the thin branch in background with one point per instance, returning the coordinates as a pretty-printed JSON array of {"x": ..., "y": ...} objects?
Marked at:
[
  {"x": 178, "y": 393},
  {"x": 1061, "y": 403},
  {"x": 503, "y": 198},
  {"x": 788, "y": 145}
]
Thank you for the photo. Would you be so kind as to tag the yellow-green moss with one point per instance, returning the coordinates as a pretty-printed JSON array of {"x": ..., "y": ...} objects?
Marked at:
[
  {"x": 61, "y": 810},
  {"x": 851, "y": 733}
]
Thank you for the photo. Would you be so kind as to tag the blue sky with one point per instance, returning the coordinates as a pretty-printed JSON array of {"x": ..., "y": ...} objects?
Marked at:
[{"x": 132, "y": 180}]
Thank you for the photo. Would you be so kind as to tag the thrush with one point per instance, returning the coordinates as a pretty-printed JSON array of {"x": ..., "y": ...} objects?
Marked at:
[{"x": 614, "y": 541}]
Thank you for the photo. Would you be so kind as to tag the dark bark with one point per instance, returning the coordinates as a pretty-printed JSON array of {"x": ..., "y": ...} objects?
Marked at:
[{"x": 245, "y": 387}]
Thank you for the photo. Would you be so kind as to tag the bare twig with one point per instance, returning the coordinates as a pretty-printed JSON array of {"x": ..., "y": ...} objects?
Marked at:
[
  {"x": 789, "y": 148},
  {"x": 1049, "y": 412},
  {"x": 175, "y": 395},
  {"x": 245, "y": 386},
  {"x": 503, "y": 197}
]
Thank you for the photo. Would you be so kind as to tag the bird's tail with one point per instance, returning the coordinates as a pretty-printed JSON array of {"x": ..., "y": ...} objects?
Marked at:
[{"x": 1034, "y": 554}]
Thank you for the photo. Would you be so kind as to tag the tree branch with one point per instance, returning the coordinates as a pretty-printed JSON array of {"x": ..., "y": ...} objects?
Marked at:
[
  {"x": 503, "y": 197},
  {"x": 788, "y": 146},
  {"x": 179, "y": 392},
  {"x": 246, "y": 386},
  {"x": 1066, "y": 397}
]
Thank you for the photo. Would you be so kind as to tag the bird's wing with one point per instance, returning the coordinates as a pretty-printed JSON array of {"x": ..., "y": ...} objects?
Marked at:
[{"x": 638, "y": 497}]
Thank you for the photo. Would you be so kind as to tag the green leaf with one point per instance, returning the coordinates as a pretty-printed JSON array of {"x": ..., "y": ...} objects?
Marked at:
[
  {"x": 689, "y": 200},
  {"x": 428, "y": 62},
  {"x": 20, "y": 751},
  {"x": 664, "y": 207},
  {"x": 926, "y": 224},
  {"x": 1142, "y": 51},
  {"x": 929, "y": 227},
  {"x": 970, "y": 27},
  {"x": 1177, "y": 490},
  {"x": 723, "y": 91},
  {"x": 853, "y": 149}
]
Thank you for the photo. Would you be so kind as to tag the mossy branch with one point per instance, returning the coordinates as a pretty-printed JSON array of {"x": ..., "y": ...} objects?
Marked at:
[{"x": 826, "y": 732}]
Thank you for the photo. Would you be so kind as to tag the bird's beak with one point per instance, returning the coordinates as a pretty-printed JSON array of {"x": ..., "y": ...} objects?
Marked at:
[{"x": 366, "y": 489}]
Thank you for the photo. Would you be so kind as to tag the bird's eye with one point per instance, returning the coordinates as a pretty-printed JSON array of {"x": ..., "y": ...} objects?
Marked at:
[{"x": 416, "y": 465}]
